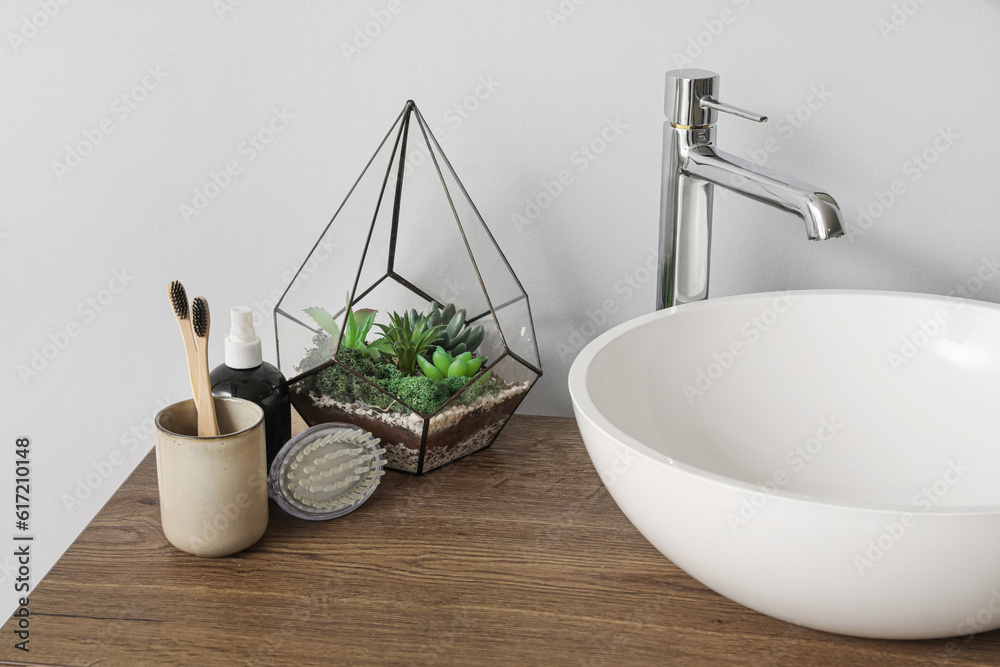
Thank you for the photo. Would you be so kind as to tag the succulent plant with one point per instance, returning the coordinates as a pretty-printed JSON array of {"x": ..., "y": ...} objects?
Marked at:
[
  {"x": 445, "y": 365},
  {"x": 418, "y": 391},
  {"x": 358, "y": 325},
  {"x": 456, "y": 337},
  {"x": 405, "y": 339}
]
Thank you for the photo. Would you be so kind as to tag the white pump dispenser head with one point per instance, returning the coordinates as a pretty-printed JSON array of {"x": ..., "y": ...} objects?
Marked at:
[{"x": 242, "y": 343}]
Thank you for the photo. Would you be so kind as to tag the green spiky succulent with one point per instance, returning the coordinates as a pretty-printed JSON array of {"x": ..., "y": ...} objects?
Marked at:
[
  {"x": 456, "y": 337},
  {"x": 405, "y": 339},
  {"x": 445, "y": 365}
]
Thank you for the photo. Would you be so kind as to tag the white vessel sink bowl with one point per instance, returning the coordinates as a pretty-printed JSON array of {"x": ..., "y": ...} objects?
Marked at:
[{"x": 829, "y": 458}]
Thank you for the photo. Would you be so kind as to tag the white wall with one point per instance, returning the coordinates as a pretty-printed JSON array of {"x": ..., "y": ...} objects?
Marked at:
[{"x": 557, "y": 81}]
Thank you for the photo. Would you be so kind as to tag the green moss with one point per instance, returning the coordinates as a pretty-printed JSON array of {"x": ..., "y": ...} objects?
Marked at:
[
  {"x": 486, "y": 385},
  {"x": 319, "y": 353},
  {"x": 340, "y": 384},
  {"x": 420, "y": 392}
]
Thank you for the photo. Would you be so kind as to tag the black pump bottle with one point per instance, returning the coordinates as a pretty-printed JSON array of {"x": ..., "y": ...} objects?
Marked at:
[{"x": 246, "y": 375}]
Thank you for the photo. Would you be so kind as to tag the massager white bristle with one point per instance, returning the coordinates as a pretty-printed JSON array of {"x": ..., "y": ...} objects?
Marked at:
[{"x": 334, "y": 473}]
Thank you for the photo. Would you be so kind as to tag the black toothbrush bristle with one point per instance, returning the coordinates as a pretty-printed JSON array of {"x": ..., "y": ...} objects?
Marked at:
[
  {"x": 199, "y": 316},
  {"x": 179, "y": 300}
]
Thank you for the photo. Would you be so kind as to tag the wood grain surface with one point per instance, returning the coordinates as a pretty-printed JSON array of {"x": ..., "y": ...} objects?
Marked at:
[{"x": 515, "y": 555}]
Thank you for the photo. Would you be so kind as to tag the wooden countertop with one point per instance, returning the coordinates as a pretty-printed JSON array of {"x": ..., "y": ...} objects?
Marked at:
[{"x": 514, "y": 555}]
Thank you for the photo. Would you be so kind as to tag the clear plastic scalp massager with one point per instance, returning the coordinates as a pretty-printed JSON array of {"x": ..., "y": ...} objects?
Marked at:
[{"x": 326, "y": 471}]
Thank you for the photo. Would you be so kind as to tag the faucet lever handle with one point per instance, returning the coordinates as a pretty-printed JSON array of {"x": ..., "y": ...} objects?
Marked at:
[{"x": 707, "y": 102}]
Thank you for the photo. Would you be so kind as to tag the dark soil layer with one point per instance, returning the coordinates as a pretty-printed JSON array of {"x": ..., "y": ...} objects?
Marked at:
[{"x": 449, "y": 437}]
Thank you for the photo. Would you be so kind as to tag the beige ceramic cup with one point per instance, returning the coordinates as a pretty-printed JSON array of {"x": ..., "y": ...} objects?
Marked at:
[{"x": 213, "y": 491}]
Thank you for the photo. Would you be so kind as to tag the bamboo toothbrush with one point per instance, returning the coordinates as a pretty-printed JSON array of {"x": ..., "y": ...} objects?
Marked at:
[
  {"x": 179, "y": 301},
  {"x": 201, "y": 322}
]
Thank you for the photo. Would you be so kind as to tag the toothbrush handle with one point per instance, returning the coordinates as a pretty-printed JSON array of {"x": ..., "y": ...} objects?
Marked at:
[
  {"x": 208, "y": 424},
  {"x": 191, "y": 351}
]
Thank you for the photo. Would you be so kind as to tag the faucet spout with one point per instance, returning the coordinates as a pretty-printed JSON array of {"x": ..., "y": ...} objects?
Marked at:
[
  {"x": 692, "y": 167},
  {"x": 817, "y": 208}
]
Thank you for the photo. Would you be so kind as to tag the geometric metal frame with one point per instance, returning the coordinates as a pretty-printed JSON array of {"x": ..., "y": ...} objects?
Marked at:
[{"x": 401, "y": 127}]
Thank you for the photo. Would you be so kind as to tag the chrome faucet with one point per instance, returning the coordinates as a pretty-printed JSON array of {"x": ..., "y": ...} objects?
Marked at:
[{"x": 692, "y": 167}]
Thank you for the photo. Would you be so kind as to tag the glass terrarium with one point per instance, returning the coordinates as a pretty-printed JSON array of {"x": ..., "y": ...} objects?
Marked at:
[{"x": 406, "y": 319}]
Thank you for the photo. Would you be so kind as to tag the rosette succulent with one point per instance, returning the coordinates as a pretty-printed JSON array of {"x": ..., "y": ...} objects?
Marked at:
[{"x": 455, "y": 336}]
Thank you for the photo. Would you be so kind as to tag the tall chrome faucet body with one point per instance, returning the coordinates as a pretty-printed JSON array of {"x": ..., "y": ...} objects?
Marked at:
[{"x": 692, "y": 167}]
